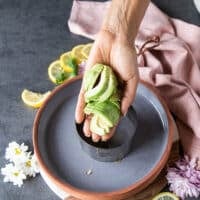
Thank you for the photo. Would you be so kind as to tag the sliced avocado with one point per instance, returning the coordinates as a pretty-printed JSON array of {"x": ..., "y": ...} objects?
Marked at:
[
  {"x": 95, "y": 128},
  {"x": 115, "y": 96},
  {"x": 116, "y": 103},
  {"x": 106, "y": 110},
  {"x": 91, "y": 76},
  {"x": 111, "y": 88},
  {"x": 115, "y": 99},
  {"x": 102, "y": 98},
  {"x": 99, "y": 89},
  {"x": 103, "y": 124},
  {"x": 110, "y": 113}
]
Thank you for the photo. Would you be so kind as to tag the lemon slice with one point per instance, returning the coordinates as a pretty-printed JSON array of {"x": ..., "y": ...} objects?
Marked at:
[
  {"x": 166, "y": 196},
  {"x": 34, "y": 99},
  {"x": 86, "y": 50},
  {"x": 55, "y": 70},
  {"x": 77, "y": 53},
  {"x": 64, "y": 60}
]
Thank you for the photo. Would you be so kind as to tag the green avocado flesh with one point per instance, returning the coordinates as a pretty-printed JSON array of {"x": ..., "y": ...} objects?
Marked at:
[
  {"x": 102, "y": 98},
  {"x": 94, "y": 93},
  {"x": 91, "y": 77},
  {"x": 106, "y": 110}
]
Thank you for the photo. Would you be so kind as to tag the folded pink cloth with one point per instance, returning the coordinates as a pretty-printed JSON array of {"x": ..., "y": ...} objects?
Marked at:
[{"x": 173, "y": 66}]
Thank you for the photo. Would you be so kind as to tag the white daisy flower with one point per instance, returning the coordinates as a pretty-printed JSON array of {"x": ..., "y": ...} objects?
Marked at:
[
  {"x": 22, "y": 164},
  {"x": 16, "y": 153},
  {"x": 13, "y": 174},
  {"x": 34, "y": 164},
  {"x": 29, "y": 166}
]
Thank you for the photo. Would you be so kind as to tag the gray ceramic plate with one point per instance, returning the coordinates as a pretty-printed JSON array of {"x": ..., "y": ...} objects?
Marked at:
[{"x": 60, "y": 155}]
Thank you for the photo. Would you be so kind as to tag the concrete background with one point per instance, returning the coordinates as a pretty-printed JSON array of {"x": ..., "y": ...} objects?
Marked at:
[{"x": 32, "y": 34}]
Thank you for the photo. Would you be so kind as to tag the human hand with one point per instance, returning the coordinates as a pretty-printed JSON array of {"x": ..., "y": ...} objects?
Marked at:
[{"x": 118, "y": 53}]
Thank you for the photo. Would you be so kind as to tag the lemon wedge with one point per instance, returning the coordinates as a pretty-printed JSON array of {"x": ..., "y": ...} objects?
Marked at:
[
  {"x": 77, "y": 53},
  {"x": 56, "y": 73},
  {"x": 34, "y": 99},
  {"x": 165, "y": 196},
  {"x": 64, "y": 61},
  {"x": 86, "y": 50}
]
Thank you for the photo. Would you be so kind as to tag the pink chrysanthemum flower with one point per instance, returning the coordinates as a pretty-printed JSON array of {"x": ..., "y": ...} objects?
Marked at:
[
  {"x": 184, "y": 178},
  {"x": 81, "y": 67}
]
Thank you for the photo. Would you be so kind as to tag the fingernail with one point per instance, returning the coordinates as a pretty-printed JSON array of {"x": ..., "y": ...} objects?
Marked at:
[
  {"x": 124, "y": 114},
  {"x": 87, "y": 135},
  {"x": 103, "y": 139},
  {"x": 95, "y": 139}
]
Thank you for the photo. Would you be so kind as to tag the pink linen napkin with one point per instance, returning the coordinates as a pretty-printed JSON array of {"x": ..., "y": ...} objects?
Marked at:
[{"x": 172, "y": 66}]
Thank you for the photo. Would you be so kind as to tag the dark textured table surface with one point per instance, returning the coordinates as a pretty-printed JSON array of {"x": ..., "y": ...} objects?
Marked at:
[{"x": 32, "y": 34}]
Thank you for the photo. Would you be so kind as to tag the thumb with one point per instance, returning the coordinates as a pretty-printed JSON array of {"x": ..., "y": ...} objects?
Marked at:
[
  {"x": 129, "y": 94},
  {"x": 79, "y": 112}
]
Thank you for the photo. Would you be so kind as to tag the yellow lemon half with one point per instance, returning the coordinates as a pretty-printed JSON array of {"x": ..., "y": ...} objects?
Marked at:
[
  {"x": 34, "y": 99},
  {"x": 64, "y": 60},
  {"x": 86, "y": 49},
  {"x": 77, "y": 53},
  {"x": 165, "y": 196},
  {"x": 54, "y": 71}
]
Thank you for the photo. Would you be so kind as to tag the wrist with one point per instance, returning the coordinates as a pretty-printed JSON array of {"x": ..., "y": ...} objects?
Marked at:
[
  {"x": 123, "y": 18},
  {"x": 118, "y": 36}
]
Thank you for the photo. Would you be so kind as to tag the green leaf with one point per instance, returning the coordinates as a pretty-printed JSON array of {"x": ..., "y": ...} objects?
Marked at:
[
  {"x": 71, "y": 62},
  {"x": 61, "y": 77}
]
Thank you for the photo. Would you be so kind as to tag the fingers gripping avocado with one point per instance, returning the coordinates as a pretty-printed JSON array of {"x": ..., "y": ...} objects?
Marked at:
[{"x": 102, "y": 98}]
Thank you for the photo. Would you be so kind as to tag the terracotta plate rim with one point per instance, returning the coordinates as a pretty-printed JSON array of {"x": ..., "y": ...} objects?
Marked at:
[{"x": 118, "y": 194}]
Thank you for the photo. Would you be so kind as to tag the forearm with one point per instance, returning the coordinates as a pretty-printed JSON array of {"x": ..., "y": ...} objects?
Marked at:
[{"x": 124, "y": 17}]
